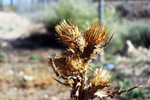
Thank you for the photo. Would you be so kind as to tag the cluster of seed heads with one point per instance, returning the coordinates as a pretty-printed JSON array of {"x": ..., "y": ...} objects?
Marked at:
[{"x": 72, "y": 66}]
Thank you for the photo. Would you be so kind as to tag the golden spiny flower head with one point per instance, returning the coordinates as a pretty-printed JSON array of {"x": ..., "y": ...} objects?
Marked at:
[
  {"x": 101, "y": 78},
  {"x": 96, "y": 34},
  {"x": 75, "y": 64},
  {"x": 70, "y": 35}
]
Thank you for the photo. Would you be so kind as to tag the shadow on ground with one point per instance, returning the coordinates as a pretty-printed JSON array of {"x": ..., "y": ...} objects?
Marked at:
[{"x": 37, "y": 41}]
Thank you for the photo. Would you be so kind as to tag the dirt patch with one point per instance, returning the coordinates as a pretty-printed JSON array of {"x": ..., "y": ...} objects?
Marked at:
[{"x": 13, "y": 26}]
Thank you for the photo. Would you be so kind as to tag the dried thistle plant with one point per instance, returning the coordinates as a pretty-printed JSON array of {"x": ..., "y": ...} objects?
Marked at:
[{"x": 73, "y": 64}]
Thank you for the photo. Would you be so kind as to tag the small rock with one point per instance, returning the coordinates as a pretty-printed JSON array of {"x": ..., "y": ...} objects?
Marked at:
[
  {"x": 46, "y": 96},
  {"x": 28, "y": 78},
  {"x": 21, "y": 73},
  {"x": 10, "y": 72},
  {"x": 54, "y": 98},
  {"x": 15, "y": 89}
]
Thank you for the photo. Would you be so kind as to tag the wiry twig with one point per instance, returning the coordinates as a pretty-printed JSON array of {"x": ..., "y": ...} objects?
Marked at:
[
  {"x": 54, "y": 67},
  {"x": 118, "y": 92}
]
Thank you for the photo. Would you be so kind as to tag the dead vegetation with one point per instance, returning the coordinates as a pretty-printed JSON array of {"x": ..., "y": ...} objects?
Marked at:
[{"x": 73, "y": 64}]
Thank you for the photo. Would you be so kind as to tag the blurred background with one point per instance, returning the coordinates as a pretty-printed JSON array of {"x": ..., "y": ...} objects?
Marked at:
[{"x": 27, "y": 39}]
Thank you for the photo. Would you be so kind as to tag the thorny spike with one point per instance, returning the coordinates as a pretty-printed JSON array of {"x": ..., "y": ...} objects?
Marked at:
[
  {"x": 108, "y": 41},
  {"x": 61, "y": 82}
]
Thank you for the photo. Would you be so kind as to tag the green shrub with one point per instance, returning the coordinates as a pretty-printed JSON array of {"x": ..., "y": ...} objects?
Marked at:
[
  {"x": 117, "y": 26},
  {"x": 75, "y": 10},
  {"x": 139, "y": 34}
]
